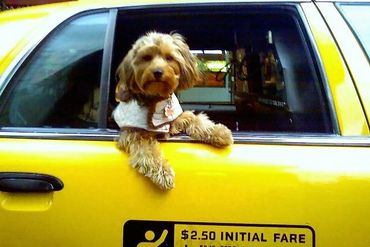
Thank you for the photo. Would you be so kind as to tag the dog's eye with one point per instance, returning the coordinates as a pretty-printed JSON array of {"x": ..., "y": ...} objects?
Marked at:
[
  {"x": 169, "y": 58},
  {"x": 146, "y": 58}
]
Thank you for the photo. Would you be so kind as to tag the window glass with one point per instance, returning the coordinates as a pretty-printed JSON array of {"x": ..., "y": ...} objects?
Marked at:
[
  {"x": 259, "y": 70},
  {"x": 358, "y": 17},
  {"x": 59, "y": 85}
]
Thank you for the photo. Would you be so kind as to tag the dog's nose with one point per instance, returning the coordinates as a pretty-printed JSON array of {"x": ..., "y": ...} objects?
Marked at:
[{"x": 158, "y": 73}]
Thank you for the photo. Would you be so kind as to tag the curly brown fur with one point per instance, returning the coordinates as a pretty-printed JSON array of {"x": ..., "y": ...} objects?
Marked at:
[
  {"x": 157, "y": 66},
  {"x": 146, "y": 156},
  {"x": 200, "y": 128},
  {"x": 167, "y": 52}
]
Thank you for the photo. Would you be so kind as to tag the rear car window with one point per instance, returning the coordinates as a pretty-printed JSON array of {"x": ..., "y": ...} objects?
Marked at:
[
  {"x": 358, "y": 17},
  {"x": 261, "y": 75},
  {"x": 59, "y": 85}
]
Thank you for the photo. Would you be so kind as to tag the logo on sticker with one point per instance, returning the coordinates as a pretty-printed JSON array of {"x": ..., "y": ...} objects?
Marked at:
[
  {"x": 150, "y": 239},
  {"x": 138, "y": 233},
  {"x": 182, "y": 234}
]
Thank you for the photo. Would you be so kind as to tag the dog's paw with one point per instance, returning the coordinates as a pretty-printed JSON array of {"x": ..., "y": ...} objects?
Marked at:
[
  {"x": 145, "y": 165},
  {"x": 182, "y": 122},
  {"x": 221, "y": 136},
  {"x": 175, "y": 129},
  {"x": 164, "y": 177}
]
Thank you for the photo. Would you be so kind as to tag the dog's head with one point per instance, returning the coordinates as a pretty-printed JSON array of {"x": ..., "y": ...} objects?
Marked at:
[{"x": 157, "y": 65}]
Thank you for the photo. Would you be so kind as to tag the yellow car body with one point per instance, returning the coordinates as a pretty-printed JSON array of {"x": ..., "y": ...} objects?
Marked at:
[{"x": 264, "y": 190}]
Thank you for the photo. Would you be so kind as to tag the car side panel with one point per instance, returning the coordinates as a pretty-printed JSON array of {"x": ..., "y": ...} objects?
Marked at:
[{"x": 324, "y": 187}]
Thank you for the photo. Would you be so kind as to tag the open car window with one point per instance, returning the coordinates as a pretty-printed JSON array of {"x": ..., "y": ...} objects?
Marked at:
[
  {"x": 58, "y": 86},
  {"x": 260, "y": 73}
]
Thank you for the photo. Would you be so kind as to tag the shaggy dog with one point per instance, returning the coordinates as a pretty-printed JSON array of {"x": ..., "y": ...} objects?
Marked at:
[{"x": 157, "y": 66}]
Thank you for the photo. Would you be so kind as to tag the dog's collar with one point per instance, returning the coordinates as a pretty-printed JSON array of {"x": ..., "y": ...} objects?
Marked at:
[{"x": 132, "y": 115}]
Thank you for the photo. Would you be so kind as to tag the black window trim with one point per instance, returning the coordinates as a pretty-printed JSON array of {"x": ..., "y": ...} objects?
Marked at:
[
  {"x": 104, "y": 134},
  {"x": 319, "y": 70},
  {"x": 106, "y": 70}
]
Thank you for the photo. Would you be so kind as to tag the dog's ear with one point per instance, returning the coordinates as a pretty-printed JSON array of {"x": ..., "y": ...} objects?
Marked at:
[
  {"x": 189, "y": 75},
  {"x": 126, "y": 85}
]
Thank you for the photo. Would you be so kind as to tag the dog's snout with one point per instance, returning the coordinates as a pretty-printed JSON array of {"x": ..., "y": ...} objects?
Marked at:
[{"x": 158, "y": 72}]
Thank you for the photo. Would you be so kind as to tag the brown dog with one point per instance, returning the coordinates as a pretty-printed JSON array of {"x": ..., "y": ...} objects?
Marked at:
[{"x": 157, "y": 66}]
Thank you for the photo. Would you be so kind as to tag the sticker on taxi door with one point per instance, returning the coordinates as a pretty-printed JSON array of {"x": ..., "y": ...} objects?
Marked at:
[{"x": 139, "y": 233}]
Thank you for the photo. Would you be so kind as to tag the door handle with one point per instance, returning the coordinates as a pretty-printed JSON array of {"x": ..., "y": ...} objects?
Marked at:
[{"x": 29, "y": 182}]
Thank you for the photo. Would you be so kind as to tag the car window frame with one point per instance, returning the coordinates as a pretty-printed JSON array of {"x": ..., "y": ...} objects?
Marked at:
[
  {"x": 103, "y": 133},
  {"x": 7, "y": 85},
  {"x": 306, "y": 35}
]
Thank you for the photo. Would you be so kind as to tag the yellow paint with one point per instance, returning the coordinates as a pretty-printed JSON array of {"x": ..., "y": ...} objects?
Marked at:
[
  {"x": 325, "y": 188},
  {"x": 26, "y": 201},
  {"x": 351, "y": 118}
]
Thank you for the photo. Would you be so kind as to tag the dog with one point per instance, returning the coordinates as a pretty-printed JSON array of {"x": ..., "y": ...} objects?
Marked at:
[{"x": 157, "y": 66}]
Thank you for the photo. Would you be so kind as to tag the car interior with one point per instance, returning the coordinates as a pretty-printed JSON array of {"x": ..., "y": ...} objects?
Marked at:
[{"x": 259, "y": 71}]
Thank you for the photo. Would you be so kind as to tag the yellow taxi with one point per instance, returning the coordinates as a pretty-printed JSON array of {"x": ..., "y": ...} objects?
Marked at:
[{"x": 289, "y": 78}]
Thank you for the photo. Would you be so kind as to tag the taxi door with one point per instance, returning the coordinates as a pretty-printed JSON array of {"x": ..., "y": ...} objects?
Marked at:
[{"x": 63, "y": 181}]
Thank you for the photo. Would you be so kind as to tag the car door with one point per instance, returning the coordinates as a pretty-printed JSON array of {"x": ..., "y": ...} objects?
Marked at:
[
  {"x": 51, "y": 104},
  {"x": 297, "y": 174}
]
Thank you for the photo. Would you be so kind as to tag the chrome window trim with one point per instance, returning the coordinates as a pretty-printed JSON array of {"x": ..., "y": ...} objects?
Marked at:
[
  {"x": 307, "y": 140},
  {"x": 239, "y": 138}
]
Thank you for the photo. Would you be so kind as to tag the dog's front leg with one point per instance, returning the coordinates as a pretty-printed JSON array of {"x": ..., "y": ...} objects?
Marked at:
[
  {"x": 146, "y": 156},
  {"x": 200, "y": 128}
]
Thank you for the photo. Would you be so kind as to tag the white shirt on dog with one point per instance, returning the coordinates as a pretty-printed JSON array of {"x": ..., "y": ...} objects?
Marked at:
[{"x": 131, "y": 114}]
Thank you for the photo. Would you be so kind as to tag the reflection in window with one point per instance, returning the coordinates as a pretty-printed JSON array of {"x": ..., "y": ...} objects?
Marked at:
[
  {"x": 59, "y": 85},
  {"x": 358, "y": 16},
  {"x": 213, "y": 64}
]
